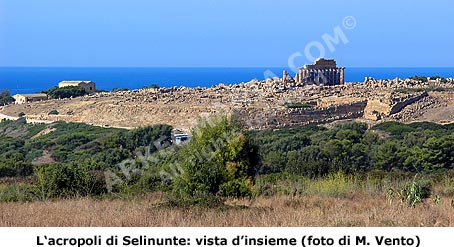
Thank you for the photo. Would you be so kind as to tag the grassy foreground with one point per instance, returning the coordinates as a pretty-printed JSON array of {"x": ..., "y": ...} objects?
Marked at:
[{"x": 356, "y": 209}]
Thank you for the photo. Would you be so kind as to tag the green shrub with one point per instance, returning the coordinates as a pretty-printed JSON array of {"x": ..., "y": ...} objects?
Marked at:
[
  {"x": 17, "y": 193},
  {"x": 281, "y": 184},
  {"x": 236, "y": 188},
  {"x": 53, "y": 112},
  {"x": 139, "y": 184},
  {"x": 420, "y": 78},
  {"x": 68, "y": 180},
  {"x": 442, "y": 79},
  {"x": 66, "y": 92},
  {"x": 15, "y": 168},
  {"x": 176, "y": 200},
  {"x": 333, "y": 185},
  {"x": 416, "y": 191},
  {"x": 219, "y": 152},
  {"x": 119, "y": 89},
  {"x": 12, "y": 164}
]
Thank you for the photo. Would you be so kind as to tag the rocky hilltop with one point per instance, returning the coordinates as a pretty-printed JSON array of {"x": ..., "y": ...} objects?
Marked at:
[{"x": 261, "y": 104}]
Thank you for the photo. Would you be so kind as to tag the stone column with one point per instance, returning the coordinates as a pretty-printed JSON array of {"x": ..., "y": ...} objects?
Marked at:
[
  {"x": 330, "y": 76},
  {"x": 300, "y": 73},
  {"x": 303, "y": 75},
  {"x": 342, "y": 76},
  {"x": 333, "y": 76},
  {"x": 284, "y": 77}
]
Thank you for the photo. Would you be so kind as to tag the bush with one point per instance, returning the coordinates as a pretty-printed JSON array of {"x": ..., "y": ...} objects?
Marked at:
[
  {"x": 12, "y": 164},
  {"x": 175, "y": 200},
  {"x": 53, "y": 112},
  {"x": 17, "y": 193},
  {"x": 236, "y": 188},
  {"x": 139, "y": 184},
  {"x": 416, "y": 191},
  {"x": 280, "y": 184},
  {"x": 119, "y": 89},
  {"x": 68, "y": 180},
  {"x": 66, "y": 92},
  {"x": 218, "y": 155},
  {"x": 442, "y": 79},
  {"x": 419, "y": 78},
  {"x": 334, "y": 185},
  {"x": 15, "y": 168}
]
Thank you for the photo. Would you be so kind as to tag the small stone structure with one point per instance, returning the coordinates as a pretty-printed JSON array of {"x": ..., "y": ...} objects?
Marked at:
[
  {"x": 87, "y": 85},
  {"x": 28, "y": 98}
]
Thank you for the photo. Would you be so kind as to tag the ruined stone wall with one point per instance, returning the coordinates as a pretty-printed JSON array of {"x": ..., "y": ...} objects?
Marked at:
[
  {"x": 389, "y": 104},
  {"x": 336, "y": 100},
  {"x": 397, "y": 107},
  {"x": 289, "y": 118}
]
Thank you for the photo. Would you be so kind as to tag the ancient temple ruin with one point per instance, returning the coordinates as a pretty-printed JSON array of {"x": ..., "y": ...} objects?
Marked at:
[{"x": 322, "y": 72}]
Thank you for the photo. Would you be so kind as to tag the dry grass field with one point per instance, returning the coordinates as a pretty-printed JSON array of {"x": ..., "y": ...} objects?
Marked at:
[{"x": 357, "y": 209}]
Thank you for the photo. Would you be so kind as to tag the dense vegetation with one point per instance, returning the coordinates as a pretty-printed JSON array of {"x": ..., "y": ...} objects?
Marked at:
[
  {"x": 442, "y": 79},
  {"x": 5, "y": 98},
  {"x": 221, "y": 159},
  {"x": 70, "y": 159},
  {"x": 66, "y": 92},
  {"x": 419, "y": 78},
  {"x": 352, "y": 148}
]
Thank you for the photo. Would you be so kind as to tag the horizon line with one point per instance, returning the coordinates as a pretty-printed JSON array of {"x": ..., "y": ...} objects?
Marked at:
[{"x": 216, "y": 67}]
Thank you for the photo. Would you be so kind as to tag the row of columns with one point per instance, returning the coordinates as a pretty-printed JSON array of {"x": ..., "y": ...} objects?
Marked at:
[{"x": 334, "y": 76}]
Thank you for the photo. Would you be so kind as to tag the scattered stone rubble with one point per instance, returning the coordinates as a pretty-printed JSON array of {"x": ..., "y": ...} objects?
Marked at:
[{"x": 261, "y": 104}]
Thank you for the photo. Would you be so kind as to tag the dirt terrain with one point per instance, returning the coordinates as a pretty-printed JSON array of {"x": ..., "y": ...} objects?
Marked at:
[{"x": 261, "y": 104}]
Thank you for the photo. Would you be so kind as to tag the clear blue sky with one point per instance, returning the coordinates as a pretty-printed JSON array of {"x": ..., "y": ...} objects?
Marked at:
[{"x": 223, "y": 33}]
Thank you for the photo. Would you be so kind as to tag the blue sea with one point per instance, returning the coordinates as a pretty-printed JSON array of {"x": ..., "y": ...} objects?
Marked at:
[{"x": 34, "y": 79}]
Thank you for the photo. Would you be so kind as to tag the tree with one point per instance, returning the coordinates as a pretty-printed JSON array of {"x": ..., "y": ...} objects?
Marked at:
[
  {"x": 5, "y": 97},
  {"x": 310, "y": 161},
  {"x": 5, "y": 93},
  {"x": 218, "y": 160},
  {"x": 273, "y": 162},
  {"x": 13, "y": 164},
  {"x": 66, "y": 92},
  {"x": 387, "y": 157}
]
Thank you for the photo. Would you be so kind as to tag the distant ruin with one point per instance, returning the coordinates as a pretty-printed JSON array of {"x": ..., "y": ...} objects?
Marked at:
[{"x": 322, "y": 72}]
